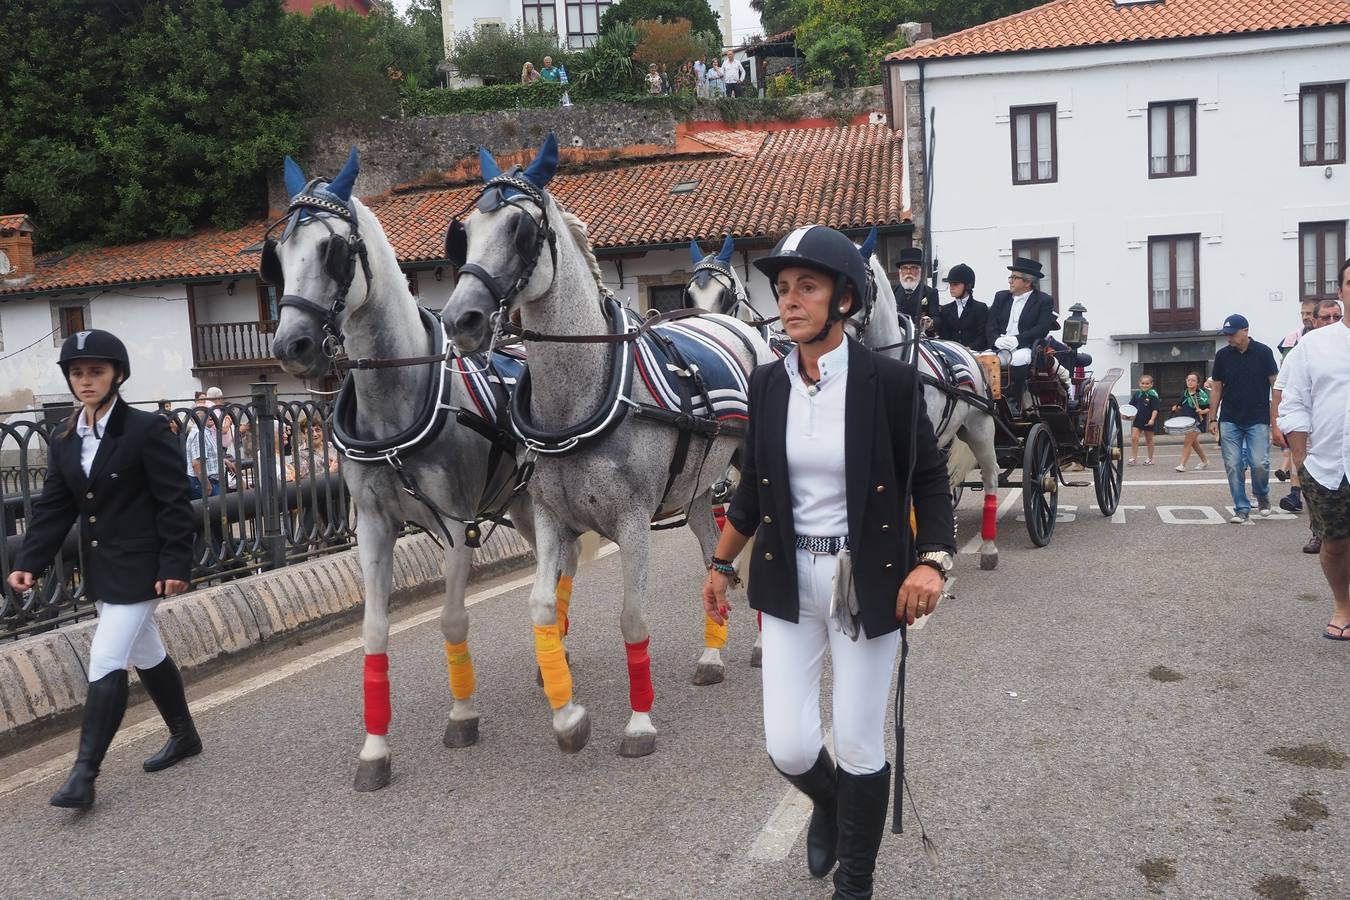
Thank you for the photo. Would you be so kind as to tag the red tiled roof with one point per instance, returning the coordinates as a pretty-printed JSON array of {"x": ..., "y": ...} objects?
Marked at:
[
  {"x": 1086, "y": 23},
  {"x": 739, "y": 142},
  {"x": 846, "y": 177},
  {"x": 15, "y": 222}
]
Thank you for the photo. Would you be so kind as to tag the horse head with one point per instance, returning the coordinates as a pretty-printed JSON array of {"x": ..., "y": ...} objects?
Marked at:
[
  {"x": 714, "y": 285},
  {"x": 314, "y": 264},
  {"x": 501, "y": 247}
]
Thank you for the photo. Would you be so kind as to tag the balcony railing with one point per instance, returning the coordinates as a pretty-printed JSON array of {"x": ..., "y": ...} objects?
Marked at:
[{"x": 233, "y": 344}]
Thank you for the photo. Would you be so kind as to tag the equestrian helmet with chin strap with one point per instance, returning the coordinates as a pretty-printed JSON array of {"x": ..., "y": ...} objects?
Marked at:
[
  {"x": 961, "y": 274},
  {"x": 95, "y": 344},
  {"x": 824, "y": 249}
]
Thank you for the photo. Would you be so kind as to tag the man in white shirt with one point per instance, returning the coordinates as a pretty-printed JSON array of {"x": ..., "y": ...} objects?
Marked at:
[
  {"x": 700, "y": 78},
  {"x": 1315, "y": 419},
  {"x": 733, "y": 75}
]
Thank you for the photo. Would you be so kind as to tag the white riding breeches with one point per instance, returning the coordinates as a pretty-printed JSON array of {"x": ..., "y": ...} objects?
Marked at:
[
  {"x": 126, "y": 636},
  {"x": 794, "y": 655}
]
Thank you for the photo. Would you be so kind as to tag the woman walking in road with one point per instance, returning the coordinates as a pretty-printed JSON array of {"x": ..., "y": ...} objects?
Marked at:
[
  {"x": 825, "y": 467},
  {"x": 118, "y": 470},
  {"x": 1194, "y": 402}
]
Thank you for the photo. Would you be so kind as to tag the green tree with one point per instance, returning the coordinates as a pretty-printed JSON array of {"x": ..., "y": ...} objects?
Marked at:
[
  {"x": 698, "y": 12},
  {"x": 130, "y": 120},
  {"x": 838, "y": 47},
  {"x": 497, "y": 55},
  {"x": 777, "y": 16}
]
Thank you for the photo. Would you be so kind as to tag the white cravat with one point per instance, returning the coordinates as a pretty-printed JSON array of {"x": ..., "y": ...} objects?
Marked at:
[
  {"x": 91, "y": 436},
  {"x": 961, "y": 307},
  {"x": 815, "y": 445}
]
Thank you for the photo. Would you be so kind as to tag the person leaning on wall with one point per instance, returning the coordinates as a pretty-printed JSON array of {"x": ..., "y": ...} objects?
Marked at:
[
  {"x": 118, "y": 471},
  {"x": 825, "y": 467}
]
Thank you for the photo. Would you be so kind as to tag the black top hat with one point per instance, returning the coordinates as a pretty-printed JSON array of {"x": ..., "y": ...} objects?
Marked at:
[
  {"x": 911, "y": 256},
  {"x": 1026, "y": 267}
]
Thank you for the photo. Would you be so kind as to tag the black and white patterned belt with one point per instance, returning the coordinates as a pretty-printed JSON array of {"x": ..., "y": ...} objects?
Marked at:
[{"x": 831, "y": 545}]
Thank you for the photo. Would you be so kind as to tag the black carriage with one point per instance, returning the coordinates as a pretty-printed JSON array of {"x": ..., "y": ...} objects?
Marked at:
[{"x": 1071, "y": 419}]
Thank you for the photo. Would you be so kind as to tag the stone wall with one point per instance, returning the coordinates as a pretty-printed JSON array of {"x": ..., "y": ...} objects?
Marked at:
[{"x": 401, "y": 151}]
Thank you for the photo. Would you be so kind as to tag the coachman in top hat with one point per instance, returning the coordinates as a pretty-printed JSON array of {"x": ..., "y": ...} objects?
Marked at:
[
  {"x": 914, "y": 298},
  {"x": 1019, "y": 317}
]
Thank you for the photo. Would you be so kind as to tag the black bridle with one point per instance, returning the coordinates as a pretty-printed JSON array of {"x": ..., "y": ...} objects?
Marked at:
[
  {"x": 731, "y": 298},
  {"x": 340, "y": 257}
]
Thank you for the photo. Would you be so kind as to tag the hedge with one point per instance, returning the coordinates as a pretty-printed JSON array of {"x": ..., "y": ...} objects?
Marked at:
[{"x": 489, "y": 98}]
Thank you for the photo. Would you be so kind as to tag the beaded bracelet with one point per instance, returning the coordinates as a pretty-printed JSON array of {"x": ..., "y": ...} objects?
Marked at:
[{"x": 725, "y": 567}]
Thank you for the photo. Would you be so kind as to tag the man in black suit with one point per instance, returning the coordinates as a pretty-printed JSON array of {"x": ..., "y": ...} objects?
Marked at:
[
  {"x": 912, "y": 297},
  {"x": 1018, "y": 318},
  {"x": 964, "y": 319}
]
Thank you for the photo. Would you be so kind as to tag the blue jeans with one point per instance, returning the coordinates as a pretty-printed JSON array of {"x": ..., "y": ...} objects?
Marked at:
[
  {"x": 1246, "y": 446},
  {"x": 195, "y": 487}
]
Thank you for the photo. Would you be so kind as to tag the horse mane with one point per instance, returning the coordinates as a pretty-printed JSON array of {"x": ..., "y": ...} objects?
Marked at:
[{"x": 582, "y": 239}]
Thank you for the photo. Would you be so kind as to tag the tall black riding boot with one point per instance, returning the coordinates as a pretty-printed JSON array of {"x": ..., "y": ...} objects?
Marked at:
[
  {"x": 103, "y": 711},
  {"x": 165, "y": 686},
  {"x": 818, "y": 783},
  {"x": 862, "y": 818}
]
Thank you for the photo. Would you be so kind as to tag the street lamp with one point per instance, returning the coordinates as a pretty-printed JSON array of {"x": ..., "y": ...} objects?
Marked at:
[{"x": 1076, "y": 327}]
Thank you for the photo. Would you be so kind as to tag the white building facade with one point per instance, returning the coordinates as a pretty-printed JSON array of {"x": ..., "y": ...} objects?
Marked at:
[
  {"x": 1162, "y": 184},
  {"x": 576, "y": 22}
]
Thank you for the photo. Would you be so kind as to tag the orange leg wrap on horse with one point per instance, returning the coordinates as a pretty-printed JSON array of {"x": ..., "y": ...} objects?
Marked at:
[
  {"x": 989, "y": 526},
  {"x": 548, "y": 652},
  {"x": 377, "y": 693},
  {"x": 640, "y": 693},
  {"x": 563, "y": 595},
  {"x": 714, "y": 635},
  {"x": 462, "y": 682}
]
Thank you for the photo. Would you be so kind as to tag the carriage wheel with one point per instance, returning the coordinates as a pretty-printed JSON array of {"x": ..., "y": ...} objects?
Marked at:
[
  {"x": 1109, "y": 472},
  {"x": 1040, "y": 484}
]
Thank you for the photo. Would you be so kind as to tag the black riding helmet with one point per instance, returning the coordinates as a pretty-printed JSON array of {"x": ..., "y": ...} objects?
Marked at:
[
  {"x": 96, "y": 344},
  {"x": 824, "y": 249},
  {"x": 962, "y": 274}
]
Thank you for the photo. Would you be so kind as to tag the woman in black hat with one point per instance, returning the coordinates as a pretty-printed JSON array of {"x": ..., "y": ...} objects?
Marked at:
[
  {"x": 119, "y": 470},
  {"x": 825, "y": 469},
  {"x": 964, "y": 319}
]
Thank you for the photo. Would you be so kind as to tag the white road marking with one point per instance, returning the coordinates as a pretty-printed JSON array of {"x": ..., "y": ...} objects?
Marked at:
[
  {"x": 774, "y": 841},
  {"x": 1118, "y": 517},
  {"x": 1014, "y": 495},
  {"x": 129, "y": 735}
]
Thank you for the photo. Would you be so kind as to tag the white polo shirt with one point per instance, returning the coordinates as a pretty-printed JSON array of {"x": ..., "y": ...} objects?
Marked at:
[
  {"x": 1316, "y": 400},
  {"x": 815, "y": 445},
  {"x": 91, "y": 436}
]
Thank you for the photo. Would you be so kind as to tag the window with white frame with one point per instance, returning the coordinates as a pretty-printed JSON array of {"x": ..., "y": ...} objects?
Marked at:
[
  {"x": 1321, "y": 250},
  {"x": 1174, "y": 282},
  {"x": 1321, "y": 117},
  {"x": 1033, "y": 144}
]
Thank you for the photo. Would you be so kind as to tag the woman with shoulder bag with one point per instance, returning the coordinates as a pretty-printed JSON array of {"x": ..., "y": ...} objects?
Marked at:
[
  {"x": 119, "y": 471},
  {"x": 824, "y": 469}
]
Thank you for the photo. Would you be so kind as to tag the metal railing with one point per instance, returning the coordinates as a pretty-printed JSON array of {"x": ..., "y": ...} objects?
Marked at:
[{"x": 264, "y": 473}]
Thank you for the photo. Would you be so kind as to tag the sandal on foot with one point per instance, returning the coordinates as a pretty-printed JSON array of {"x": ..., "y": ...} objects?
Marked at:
[
  {"x": 1343, "y": 629},
  {"x": 1148, "y": 462},
  {"x": 1134, "y": 461}
]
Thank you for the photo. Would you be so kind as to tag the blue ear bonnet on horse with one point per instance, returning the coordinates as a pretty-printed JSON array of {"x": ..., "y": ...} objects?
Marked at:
[
  {"x": 538, "y": 173},
  {"x": 869, "y": 245},
  {"x": 338, "y": 191}
]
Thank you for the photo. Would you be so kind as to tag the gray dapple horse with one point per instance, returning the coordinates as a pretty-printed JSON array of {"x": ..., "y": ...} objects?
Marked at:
[
  {"x": 343, "y": 287},
  {"x": 603, "y": 464},
  {"x": 965, "y": 430}
]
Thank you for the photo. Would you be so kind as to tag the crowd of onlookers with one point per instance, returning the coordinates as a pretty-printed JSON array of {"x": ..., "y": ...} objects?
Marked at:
[{"x": 709, "y": 78}]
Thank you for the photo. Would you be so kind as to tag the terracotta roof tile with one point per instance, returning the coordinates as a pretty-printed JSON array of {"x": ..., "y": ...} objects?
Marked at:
[
  {"x": 1085, "y": 23},
  {"x": 846, "y": 177},
  {"x": 14, "y": 222}
]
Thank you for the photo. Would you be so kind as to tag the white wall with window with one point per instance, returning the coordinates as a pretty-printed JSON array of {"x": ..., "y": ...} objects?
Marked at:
[
  {"x": 1162, "y": 185},
  {"x": 577, "y": 22}
]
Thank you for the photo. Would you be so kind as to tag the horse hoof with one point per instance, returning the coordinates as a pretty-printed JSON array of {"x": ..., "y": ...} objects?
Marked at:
[
  {"x": 371, "y": 775},
  {"x": 637, "y": 745},
  {"x": 757, "y": 658},
  {"x": 576, "y": 737},
  {"x": 707, "y": 674},
  {"x": 988, "y": 561},
  {"x": 461, "y": 733}
]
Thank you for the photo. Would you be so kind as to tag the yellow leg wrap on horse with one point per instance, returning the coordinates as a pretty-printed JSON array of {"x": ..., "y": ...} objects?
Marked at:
[
  {"x": 461, "y": 670},
  {"x": 563, "y": 595},
  {"x": 714, "y": 635},
  {"x": 913, "y": 522},
  {"x": 548, "y": 651}
]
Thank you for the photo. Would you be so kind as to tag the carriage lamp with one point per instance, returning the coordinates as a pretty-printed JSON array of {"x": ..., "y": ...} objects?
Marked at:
[{"x": 1076, "y": 327}]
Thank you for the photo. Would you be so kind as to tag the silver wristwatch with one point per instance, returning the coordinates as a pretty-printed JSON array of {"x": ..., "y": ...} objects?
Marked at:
[{"x": 938, "y": 559}]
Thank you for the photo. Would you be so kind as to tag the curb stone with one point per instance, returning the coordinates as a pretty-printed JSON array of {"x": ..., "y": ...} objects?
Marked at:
[{"x": 43, "y": 677}]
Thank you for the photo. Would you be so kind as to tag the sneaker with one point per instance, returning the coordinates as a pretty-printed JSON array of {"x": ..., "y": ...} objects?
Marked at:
[
  {"x": 1179, "y": 469},
  {"x": 1263, "y": 507},
  {"x": 1239, "y": 518},
  {"x": 1282, "y": 474},
  {"x": 1314, "y": 545},
  {"x": 1290, "y": 503},
  {"x": 1200, "y": 467}
]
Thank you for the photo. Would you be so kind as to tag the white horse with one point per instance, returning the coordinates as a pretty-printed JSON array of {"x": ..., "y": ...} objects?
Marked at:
[
  {"x": 610, "y": 458},
  {"x": 965, "y": 430},
  {"x": 343, "y": 287}
]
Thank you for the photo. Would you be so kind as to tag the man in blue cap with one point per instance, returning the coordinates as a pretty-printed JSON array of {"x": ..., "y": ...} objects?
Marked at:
[{"x": 1243, "y": 373}]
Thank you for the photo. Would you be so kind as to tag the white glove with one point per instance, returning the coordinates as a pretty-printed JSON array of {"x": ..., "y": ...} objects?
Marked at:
[{"x": 1005, "y": 342}]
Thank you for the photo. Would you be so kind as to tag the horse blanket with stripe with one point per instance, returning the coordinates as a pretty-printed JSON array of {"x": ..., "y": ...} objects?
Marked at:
[
  {"x": 490, "y": 379},
  {"x": 683, "y": 361}
]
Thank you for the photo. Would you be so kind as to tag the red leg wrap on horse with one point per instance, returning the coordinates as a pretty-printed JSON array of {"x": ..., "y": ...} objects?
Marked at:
[
  {"x": 989, "y": 527},
  {"x": 377, "y": 693},
  {"x": 640, "y": 693}
]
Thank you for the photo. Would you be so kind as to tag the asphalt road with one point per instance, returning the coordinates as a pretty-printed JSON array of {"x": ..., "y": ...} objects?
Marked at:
[{"x": 1144, "y": 707}]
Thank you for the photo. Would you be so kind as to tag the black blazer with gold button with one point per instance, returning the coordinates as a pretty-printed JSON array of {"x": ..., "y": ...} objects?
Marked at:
[
  {"x": 879, "y": 401},
  {"x": 135, "y": 517}
]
